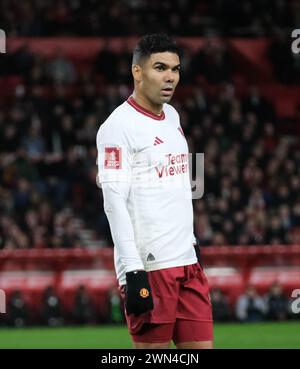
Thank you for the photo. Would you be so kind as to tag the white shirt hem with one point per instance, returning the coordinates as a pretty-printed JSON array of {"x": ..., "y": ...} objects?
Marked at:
[{"x": 159, "y": 266}]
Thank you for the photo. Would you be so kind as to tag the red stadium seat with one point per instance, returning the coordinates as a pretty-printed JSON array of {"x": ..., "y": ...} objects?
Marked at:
[
  {"x": 31, "y": 284},
  {"x": 229, "y": 280},
  {"x": 98, "y": 283},
  {"x": 263, "y": 277}
]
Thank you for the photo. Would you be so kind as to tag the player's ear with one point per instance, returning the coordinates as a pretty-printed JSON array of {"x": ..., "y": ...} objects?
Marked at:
[{"x": 136, "y": 72}]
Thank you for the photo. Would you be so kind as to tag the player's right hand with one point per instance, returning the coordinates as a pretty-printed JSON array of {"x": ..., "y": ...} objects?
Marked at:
[{"x": 138, "y": 295}]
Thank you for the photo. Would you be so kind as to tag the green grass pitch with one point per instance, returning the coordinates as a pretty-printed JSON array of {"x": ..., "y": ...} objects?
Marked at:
[{"x": 256, "y": 335}]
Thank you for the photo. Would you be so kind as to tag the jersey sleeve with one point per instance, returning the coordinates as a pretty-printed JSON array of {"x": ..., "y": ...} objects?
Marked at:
[
  {"x": 114, "y": 160},
  {"x": 115, "y": 197},
  {"x": 114, "y": 154}
]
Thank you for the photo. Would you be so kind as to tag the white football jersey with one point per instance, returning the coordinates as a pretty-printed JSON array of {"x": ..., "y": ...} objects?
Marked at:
[{"x": 150, "y": 154}]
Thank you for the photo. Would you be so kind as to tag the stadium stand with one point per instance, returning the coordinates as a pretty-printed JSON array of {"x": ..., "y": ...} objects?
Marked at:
[
  {"x": 115, "y": 18},
  {"x": 229, "y": 269},
  {"x": 238, "y": 105}
]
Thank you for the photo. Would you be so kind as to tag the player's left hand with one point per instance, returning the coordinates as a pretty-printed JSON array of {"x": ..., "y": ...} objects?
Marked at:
[{"x": 138, "y": 295}]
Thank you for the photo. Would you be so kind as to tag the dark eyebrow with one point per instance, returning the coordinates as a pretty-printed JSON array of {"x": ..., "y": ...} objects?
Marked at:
[{"x": 165, "y": 65}]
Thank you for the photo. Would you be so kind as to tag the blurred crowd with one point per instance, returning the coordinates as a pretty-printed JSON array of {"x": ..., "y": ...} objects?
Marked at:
[
  {"x": 252, "y": 183},
  {"x": 214, "y": 61},
  {"x": 242, "y": 18},
  {"x": 48, "y": 152},
  {"x": 251, "y": 306},
  {"x": 53, "y": 311}
]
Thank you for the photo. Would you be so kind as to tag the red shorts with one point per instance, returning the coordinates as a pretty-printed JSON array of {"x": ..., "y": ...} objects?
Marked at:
[{"x": 182, "y": 309}]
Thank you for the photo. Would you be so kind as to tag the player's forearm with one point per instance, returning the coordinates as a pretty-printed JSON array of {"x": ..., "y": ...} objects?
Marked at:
[{"x": 114, "y": 195}]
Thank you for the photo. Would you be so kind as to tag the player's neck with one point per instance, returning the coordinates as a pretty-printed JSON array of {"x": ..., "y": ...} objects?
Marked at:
[{"x": 146, "y": 104}]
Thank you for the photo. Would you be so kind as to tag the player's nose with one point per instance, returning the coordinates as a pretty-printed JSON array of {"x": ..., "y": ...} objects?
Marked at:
[{"x": 169, "y": 76}]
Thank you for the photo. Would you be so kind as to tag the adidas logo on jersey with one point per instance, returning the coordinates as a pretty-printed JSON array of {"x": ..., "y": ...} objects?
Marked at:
[
  {"x": 150, "y": 257},
  {"x": 157, "y": 141}
]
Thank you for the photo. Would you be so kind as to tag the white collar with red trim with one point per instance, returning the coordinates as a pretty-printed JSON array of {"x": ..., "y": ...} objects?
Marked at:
[{"x": 144, "y": 111}]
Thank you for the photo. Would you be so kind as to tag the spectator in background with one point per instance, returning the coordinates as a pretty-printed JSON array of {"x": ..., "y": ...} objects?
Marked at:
[
  {"x": 276, "y": 303},
  {"x": 10, "y": 138},
  {"x": 124, "y": 60},
  {"x": 275, "y": 232},
  {"x": 83, "y": 309},
  {"x": 213, "y": 61},
  {"x": 33, "y": 143},
  {"x": 220, "y": 305},
  {"x": 17, "y": 310},
  {"x": 250, "y": 307},
  {"x": 51, "y": 308},
  {"x": 64, "y": 232},
  {"x": 106, "y": 62},
  {"x": 11, "y": 235},
  {"x": 22, "y": 194},
  {"x": 258, "y": 105},
  {"x": 22, "y": 60},
  {"x": 60, "y": 69}
]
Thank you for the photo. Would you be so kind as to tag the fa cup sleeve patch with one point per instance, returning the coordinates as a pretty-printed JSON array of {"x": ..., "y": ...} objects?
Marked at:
[{"x": 113, "y": 158}]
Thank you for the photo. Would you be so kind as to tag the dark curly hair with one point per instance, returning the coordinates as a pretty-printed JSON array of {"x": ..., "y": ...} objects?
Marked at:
[{"x": 154, "y": 43}]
